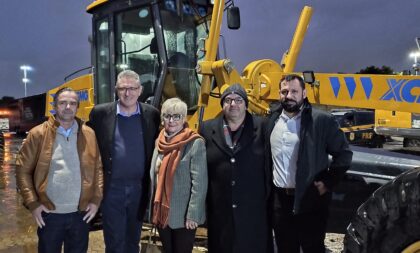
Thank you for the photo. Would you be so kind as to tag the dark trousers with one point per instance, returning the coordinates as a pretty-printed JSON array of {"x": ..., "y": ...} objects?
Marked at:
[
  {"x": 179, "y": 240},
  {"x": 295, "y": 231},
  {"x": 120, "y": 214},
  {"x": 68, "y": 229}
]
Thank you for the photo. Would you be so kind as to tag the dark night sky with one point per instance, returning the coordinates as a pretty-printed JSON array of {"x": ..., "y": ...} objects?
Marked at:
[{"x": 343, "y": 36}]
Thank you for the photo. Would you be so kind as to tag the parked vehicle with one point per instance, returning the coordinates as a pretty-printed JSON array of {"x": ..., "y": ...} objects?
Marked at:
[{"x": 358, "y": 126}]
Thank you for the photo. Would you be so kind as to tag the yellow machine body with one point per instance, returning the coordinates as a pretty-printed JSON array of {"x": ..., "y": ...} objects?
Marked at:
[
  {"x": 83, "y": 85},
  {"x": 261, "y": 79}
]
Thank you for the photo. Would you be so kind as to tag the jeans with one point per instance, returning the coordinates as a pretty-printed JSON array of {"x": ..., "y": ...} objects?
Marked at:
[
  {"x": 68, "y": 229},
  {"x": 120, "y": 218}
]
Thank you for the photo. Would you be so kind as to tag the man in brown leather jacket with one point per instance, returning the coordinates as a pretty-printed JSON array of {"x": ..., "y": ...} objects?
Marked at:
[{"x": 59, "y": 174}]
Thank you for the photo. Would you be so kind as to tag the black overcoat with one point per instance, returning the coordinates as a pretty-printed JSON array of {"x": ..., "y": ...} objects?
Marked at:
[
  {"x": 320, "y": 136},
  {"x": 103, "y": 118},
  {"x": 237, "y": 190}
]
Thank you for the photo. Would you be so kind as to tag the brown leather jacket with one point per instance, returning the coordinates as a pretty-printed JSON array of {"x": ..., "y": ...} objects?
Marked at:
[{"x": 33, "y": 161}]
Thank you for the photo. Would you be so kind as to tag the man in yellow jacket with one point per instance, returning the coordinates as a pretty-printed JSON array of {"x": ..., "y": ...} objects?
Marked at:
[{"x": 59, "y": 174}]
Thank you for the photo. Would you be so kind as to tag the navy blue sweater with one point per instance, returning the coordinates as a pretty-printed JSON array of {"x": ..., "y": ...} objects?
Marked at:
[{"x": 128, "y": 156}]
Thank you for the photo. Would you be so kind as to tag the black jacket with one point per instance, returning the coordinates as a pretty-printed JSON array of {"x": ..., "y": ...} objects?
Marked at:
[
  {"x": 237, "y": 190},
  {"x": 102, "y": 119},
  {"x": 320, "y": 136}
]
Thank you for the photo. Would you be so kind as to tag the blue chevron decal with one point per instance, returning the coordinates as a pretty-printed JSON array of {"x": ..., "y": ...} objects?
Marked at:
[
  {"x": 367, "y": 86},
  {"x": 335, "y": 85},
  {"x": 400, "y": 90},
  {"x": 351, "y": 85}
]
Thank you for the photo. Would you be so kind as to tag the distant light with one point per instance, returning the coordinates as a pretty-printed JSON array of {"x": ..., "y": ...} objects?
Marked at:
[
  {"x": 26, "y": 67},
  {"x": 7, "y": 135},
  {"x": 143, "y": 13},
  {"x": 202, "y": 11},
  {"x": 123, "y": 66},
  {"x": 5, "y": 112},
  {"x": 416, "y": 65},
  {"x": 170, "y": 5},
  {"x": 415, "y": 54},
  {"x": 103, "y": 26},
  {"x": 25, "y": 80}
]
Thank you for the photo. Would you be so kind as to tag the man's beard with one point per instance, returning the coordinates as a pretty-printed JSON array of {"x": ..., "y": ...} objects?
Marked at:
[{"x": 291, "y": 107}]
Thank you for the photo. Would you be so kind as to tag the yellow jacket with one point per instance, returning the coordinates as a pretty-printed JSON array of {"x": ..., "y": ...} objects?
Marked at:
[{"x": 33, "y": 161}]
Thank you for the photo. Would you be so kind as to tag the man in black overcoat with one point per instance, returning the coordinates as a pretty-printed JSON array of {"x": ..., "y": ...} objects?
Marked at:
[{"x": 238, "y": 179}]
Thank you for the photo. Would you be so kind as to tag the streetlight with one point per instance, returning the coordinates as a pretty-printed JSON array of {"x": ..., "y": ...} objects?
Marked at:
[
  {"x": 25, "y": 79},
  {"x": 416, "y": 65}
]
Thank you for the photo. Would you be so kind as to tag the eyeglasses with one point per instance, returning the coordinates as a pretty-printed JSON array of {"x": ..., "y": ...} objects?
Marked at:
[
  {"x": 175, "y": 117},
  {"x": 125, "y": 89},
  {"x": 238, "y": 101}
]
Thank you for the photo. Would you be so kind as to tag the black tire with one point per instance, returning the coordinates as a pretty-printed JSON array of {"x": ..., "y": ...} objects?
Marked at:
[
  {"x": 410, "y": 142},
  {"x": 389, "y": 221},
  {"x": 377, "y": 141}
]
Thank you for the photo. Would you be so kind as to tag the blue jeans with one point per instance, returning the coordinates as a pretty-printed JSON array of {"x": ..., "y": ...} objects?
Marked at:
[
  {"x": 120, "y": 218},
  {"x": 68, "y": 229}
]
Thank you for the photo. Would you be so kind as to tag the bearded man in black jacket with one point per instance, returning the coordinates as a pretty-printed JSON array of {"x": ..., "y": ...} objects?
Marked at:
[{"x": 301, "y": 139}]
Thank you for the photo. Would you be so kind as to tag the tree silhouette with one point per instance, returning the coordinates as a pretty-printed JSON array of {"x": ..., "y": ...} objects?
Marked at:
[{"x": 384, "y": 70}]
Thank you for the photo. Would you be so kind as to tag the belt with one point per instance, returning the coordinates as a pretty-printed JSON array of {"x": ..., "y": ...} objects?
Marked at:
[{"x": 286, "y": 191}]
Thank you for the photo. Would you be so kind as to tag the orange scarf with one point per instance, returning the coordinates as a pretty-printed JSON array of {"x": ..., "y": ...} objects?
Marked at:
[{"x": 171, "y": 151}]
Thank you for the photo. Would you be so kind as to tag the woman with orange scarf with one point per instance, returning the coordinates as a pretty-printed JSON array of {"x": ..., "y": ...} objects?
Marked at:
[{"x": 179, "y": 179}]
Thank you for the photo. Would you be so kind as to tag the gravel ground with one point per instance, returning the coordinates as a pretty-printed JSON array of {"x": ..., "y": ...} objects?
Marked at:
[{"x": 334, "y": 242}]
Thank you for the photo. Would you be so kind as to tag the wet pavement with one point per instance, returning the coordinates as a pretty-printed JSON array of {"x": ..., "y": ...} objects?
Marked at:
[
  {"x": 18, "y": 230},
  {"x": 16, "y": 225}
]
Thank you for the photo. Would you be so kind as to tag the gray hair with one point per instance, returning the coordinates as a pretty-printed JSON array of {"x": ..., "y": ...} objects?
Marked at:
[
  {"x": 174, "y": 105},
  {"x": 130, "y": 75}
]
